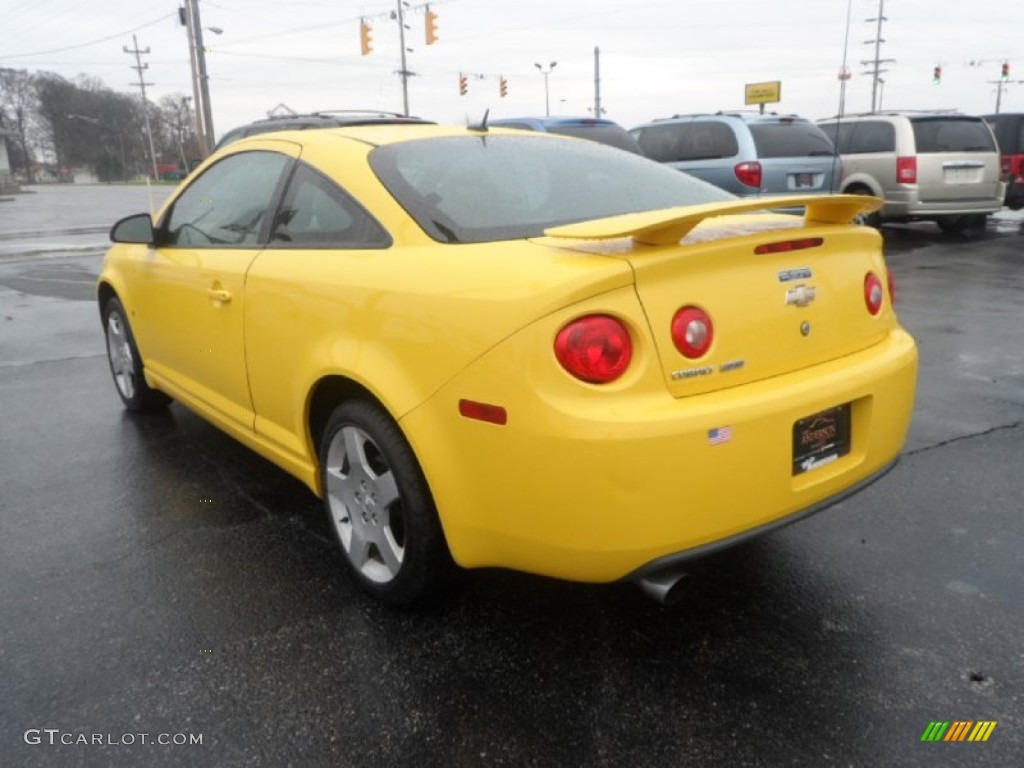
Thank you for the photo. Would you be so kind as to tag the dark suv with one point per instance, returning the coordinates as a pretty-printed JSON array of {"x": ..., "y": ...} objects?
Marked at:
[
  {"x": 326, "y": 119},
  {"x": 1008, "y": 128}
]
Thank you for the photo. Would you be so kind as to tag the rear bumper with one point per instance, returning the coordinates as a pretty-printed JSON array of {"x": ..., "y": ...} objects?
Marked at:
[
  {"x": 906, "y": 204},
  {"x": 679, "y": 558},
  {"x": 594, "y": 488}
]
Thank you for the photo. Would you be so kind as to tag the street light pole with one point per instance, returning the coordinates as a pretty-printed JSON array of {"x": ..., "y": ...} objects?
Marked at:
[{"x": 547, "y": 100}]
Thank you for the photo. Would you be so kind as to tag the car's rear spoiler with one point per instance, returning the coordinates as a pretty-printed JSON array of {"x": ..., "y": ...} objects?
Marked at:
[{"x": 670, "y": 225}]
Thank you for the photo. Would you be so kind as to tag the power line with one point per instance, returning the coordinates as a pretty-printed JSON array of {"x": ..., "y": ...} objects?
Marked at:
[{"x": 91, "y": 42}]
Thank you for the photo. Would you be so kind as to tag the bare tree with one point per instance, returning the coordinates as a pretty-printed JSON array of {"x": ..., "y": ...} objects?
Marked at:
[
  {"x": 180, "y": 133},
  {"x": 18, "y": 106}
]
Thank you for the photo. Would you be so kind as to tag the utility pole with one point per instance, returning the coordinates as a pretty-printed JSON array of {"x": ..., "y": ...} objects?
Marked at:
[
  {"x": 597, "y": 82},
  {"x": 200, "y": 81},
  {"x": 404, "y": 72},
  {"x": 140, "y": 67},
  {"x": 1000, "y": 84},
  {"x": 876, "y": 62}
]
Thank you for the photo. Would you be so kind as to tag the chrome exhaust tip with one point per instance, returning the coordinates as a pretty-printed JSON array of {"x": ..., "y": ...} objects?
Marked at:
[{"x": 665, "y": 586}]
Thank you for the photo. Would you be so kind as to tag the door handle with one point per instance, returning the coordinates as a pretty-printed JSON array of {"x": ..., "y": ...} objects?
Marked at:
[{"x": 219, "y": 294}]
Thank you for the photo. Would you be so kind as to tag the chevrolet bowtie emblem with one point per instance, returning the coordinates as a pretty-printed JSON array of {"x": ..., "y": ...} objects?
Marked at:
[{"x": 801, "y": 295}]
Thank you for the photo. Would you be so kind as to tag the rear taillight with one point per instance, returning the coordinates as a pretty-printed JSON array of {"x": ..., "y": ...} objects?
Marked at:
[
  {"x": 595, "y": 348},
  {"x": 1017, "y": 167},
  {"x": 749, "y": 173},
  {"x": 692, "y": 331},
  {"x": 873, "y": 293},
  {"x": 1004, "y": 168},
  {"x": 906, "y": 170}
]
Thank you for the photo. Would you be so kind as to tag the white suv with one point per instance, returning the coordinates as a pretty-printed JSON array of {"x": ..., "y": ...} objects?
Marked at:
[{"x": 937, "y": 166}]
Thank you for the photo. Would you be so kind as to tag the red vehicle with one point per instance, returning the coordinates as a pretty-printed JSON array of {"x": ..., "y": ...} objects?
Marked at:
[{"x": 1009, "y": 131}]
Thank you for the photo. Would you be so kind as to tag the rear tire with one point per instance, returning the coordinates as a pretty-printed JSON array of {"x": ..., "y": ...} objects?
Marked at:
[
  {"x": 973, "y": 223},
  {"x": 380, "y": 507},
  {"x": 872, "y": 219},
  {"x": 126, "y": 362}
]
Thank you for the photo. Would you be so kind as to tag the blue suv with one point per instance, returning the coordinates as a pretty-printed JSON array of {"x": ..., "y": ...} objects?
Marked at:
[{"x": 746, "y": 154}]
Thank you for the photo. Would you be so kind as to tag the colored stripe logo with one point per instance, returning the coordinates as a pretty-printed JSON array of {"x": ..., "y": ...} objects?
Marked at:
[{"x": 958, "y": 730}]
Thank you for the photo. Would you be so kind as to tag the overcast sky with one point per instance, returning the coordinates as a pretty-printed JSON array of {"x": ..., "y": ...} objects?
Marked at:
[{"x": 657, "y": 57}]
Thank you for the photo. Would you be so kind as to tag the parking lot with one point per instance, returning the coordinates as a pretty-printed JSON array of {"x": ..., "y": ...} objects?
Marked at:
[{"x": 169, "y": 592}]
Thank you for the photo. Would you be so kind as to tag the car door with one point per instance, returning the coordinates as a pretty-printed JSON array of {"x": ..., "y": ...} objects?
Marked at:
[
  {"x": 310, "y": 294},
  {"x": 191, "y": 287}
]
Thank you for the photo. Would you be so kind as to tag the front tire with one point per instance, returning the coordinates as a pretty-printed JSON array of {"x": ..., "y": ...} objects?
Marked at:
[
  {"x": 380, "y": 508},
  {"x": 126, "y": 362}
]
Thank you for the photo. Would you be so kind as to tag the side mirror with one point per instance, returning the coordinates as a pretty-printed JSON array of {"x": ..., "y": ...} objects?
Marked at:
[{"x": 133, "y": 229}]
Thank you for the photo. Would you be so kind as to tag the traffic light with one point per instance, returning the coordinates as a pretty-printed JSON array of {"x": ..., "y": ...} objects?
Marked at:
[
  {"x": 431, "y": 26},
  {"x": 463, "y": 85},
  {"x": 365, "y": 37},
  {"x": 503, "y": 87},
  {"x": 1006, "y": 70},
  {"x": 937, "y": 75}
]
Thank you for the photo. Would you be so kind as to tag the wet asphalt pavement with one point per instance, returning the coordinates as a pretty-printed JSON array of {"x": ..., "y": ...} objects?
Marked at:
[{"x": 157, "y": 578}]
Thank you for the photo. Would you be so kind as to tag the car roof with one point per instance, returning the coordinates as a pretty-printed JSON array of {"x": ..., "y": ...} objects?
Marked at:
[
  {"x": 386, "y": 133},
  {"x": 554, "y": 121},
  {"x": 318, "y": 120},
  {"x": 729, "y": 116},
  {"x": 908, "y": 113}
]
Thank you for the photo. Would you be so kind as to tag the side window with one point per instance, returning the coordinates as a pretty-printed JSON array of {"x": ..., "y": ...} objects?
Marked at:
[
  {"x": 227, "y": 204},
  {"x": 872, "y": 136},
  {"x": 841, "y": 135},
  {"x": 711, "y": 140},
  {"x": 663, "y": 142},
  {"x": 316, "y": 213}
]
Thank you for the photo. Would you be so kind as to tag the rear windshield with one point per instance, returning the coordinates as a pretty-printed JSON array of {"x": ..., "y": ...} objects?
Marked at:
[
  {"x": 473, "y": 189},
  {"x": 952, "y": 134},
  {"x": 612, "y": 135},
  {"x": 790, "y": 139}
]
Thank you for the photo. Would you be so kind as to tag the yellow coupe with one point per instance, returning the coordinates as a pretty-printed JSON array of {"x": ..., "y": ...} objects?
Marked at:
[{"x": 487, "y": 347}]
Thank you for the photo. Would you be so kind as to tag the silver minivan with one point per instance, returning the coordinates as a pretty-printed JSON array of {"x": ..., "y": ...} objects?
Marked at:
[
  {"x": 746, "y": 154},
  {"x": 938, "y": 166}
]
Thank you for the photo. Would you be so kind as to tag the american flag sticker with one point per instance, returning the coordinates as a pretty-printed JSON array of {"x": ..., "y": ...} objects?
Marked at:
[{"x": 719, "y": 435}]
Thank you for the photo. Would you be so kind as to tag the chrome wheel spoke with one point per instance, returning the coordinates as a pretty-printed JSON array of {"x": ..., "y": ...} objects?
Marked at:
[
  {"x": 391, "y": 552},
  {"x": 387, "y": 491},
  {"x": 359, "y": 547},
  {"x": 355, "y": 450}
]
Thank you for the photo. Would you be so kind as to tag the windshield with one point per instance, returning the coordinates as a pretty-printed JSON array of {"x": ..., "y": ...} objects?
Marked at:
[
  {"x": 472, "y": 189},
  {"x": 790, "y": 139},
  {"x": 952, "y": 134}
]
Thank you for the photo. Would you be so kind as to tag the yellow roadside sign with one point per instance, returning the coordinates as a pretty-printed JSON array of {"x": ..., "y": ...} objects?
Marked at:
[{"x": 763, "y": 93}]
